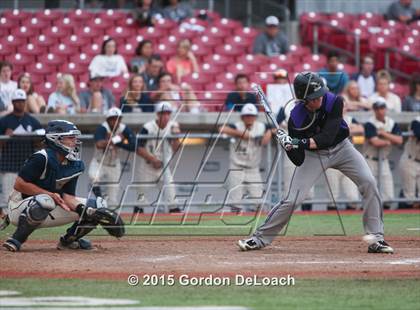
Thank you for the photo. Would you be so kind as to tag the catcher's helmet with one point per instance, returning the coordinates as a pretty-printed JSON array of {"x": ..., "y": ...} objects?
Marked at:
[
  {"x": 309, "y": 85},
  {"x": 56, "y": 130}
]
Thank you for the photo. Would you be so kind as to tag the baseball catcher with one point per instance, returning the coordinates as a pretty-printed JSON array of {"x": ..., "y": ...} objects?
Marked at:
[
  {"x": 44, "y": 194},
  {"x": 317, "y": 129}
]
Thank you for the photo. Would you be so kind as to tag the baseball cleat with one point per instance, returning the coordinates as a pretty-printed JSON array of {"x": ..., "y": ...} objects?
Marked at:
[
  {"x": 380, "y": 247},
  {"x": 81, "y": 244},
  {"x": 248, "y": 245},
  {"x": 12, "y": 245}
]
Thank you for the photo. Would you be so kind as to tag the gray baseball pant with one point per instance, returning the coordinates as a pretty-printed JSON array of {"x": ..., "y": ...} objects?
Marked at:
[{"x": 350, "y": 162}]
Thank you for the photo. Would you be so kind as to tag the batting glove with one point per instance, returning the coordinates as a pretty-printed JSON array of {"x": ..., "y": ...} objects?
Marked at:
[{"x": 284, "y": 140}]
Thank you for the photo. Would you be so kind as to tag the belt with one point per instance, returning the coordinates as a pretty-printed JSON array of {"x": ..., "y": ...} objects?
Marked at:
[
  {"x": 375, "y": 158},
  {"x": 415, "y": 159}
]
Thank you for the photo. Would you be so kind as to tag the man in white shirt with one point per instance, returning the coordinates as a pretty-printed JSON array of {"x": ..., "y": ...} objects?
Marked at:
[
  {"x": 279, "y": 92},
  {"x": 7, "y": 87},
  {"x": 393, "y": 102},
  {"x": 366, "y": 78}
]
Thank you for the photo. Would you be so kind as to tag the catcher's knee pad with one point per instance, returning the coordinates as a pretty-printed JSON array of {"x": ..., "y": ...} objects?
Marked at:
[{"x": 38, "y": 209}]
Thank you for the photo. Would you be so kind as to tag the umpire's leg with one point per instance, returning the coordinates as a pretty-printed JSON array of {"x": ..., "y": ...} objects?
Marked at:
[
  {"x": 302, "y": 181},
  {"x": 352, "y": 164}
]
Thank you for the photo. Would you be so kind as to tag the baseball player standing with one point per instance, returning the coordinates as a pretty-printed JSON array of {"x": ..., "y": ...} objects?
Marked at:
[
  {"x": 410, "y": 163},
  {"x": 248, "y": 138},
  {"x": 105, "y": 166},
  {"x": 44, "y": 194},
  {"x": 381, "y": 134},
  {"x": 317, "y": 126},
  {"x": 151, "y": 167}
]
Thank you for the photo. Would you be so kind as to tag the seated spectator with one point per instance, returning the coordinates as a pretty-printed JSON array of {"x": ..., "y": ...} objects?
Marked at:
[
  {"x": 146, "y": 13},
  {"x": 272, "y": 41},
  {"x": 135, "y": 99},
  {"x": 143, "y": 53},
  {"x": 177, "y": 11},
  {"x": 402, "y": 11},
  {"x": 353, "y": 101},
  {"x": 96, "y": 98},
  {"x": 412, "y": 101},
  {"x": 180, "y": 97},
  {"x": 35, "y": 103},
  {"x": 365, "y": 78},
  {"x": 108, "y": 63},
  {"x": 235, "y": 100},
  {"x": 64, "y": 100},
  {"x": 154, "y": 69},
  {"x": 393, "y": 102},
  {"x": 184, "y": 62},
  {"x": 336, "y": 79},
  {"x": 280, "y": 92},
  {"x": 7, "y": 87}
]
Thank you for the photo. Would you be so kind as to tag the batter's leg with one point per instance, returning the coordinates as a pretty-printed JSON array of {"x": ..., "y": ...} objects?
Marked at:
[
  {"x": 352, "y": 164},
  {"x": 301, "y": 182}
]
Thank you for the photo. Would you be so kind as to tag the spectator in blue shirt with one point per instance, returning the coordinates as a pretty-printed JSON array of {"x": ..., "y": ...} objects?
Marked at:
[
  {"x": 235, "y": 100},
  {"x": 336, "y": 79}
]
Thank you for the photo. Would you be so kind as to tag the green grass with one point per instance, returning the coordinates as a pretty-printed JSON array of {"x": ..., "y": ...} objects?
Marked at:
[
  {"x": 306, "y": 294},
  {"x": 396, "y": 224}
]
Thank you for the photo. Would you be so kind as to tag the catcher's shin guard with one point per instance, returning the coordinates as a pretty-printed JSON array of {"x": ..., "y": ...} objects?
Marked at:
[{"x": 78, "y": 230}]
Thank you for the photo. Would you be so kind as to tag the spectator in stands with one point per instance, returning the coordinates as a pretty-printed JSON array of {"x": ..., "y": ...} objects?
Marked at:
[
  {"x": 181, "y": 97},
  {"x": 336, "y": 79},
  {"x": 184, "y": 62},
  {"x": 144, "y": 51},
  {"x": 381, "y": 132},
  {"x": 35, "y": 102},
  {"x": 235, "y": 100},
  {"x": 14, "y": 152},
  {"x": 383, "y": 80},
  {"x": 402, "y": 11},
  {"x": 96, "y": 98},
  {"x": 108, "y": 63},
  {"x": 352, "y": 98},
  {"x": 272, "y": 41},
  {"x": 7, "y": 87},
  {"x": 412, "y": 101},
  {"x": 177, "y": 11},
  {"x": 135, "y": 99},
  {"x": 64, "y": 100},
  {"x": 365, "y": 78},
  {"x": 280, "y": 92},
  {"x": 146, "y": 13},
  {"x": 154, "y": 69}
]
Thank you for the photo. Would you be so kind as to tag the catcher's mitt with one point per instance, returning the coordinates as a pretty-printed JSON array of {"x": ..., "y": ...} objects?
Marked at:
[{"x": 110, "y": 221}]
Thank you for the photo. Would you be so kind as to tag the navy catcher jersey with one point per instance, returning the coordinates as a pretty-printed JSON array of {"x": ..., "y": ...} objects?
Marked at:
[{"x": 44, "y": 170}]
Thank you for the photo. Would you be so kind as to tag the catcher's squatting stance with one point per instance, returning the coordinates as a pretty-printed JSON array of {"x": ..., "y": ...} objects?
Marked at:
[
  {"x": 324, "y": 144},
  {"x": 44, "y": 194}
]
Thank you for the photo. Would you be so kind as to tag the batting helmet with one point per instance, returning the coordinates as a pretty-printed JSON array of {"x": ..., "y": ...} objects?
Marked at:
[{"x": 309, "y": 86}]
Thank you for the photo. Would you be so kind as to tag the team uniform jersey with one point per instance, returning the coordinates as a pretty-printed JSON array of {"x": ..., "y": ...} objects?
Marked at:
[
  {"x": 44, "y": 170},
  {"x": 371, "y": 130},
  {"x": 329, "y": 127}
]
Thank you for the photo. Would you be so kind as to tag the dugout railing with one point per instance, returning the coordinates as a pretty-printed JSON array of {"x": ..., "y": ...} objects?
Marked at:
[{"x": 273, "y": 163}]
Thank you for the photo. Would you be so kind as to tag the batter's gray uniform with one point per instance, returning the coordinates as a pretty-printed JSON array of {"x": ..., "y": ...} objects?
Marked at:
[
  {"x": 245, "y": 159},
  {"x": 330, "y": 132},
  {"x": 410, "y": 162}
]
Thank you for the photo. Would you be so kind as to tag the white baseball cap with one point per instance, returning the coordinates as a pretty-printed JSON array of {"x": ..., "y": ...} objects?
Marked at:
[
  {"x": 113, "y": 112},
  {"x": 272, "y": 21},
  {"x": 163, "y": 106},
  {"x": 19, "y": 94},
  {"x": 249, "y": 109}
]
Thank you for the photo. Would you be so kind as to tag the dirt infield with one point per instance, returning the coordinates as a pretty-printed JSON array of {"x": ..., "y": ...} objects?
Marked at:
[{"x": 315, "y": 257}]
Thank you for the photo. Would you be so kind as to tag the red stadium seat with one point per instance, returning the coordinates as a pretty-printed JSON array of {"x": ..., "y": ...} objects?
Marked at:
[
  {"x": 43, "y": 40},
  {"x": 242, "y": 42},
  {"x": 349, "y": 69},
  {"x": 22, "y": 59},
  {"x": 90, "y": 33},
  {"x": 297, "y": 52},
  {"x": 229, "y": 50},
  {"x": 75, "y": 41},
  {"x": 215, "y": 32},
  {"x": 262, "y": 78},
  {"x": 24, "y": 32},
  {"x": 171, "y": 41},
  {"x": 165, "y": 25},
  {"x": 12, "y": 41},
  {"x": 184, "y": 33},
  {"x": 120, "y": 32},
  {"x": 6, "y": 50},
  {"x": 7, "y": 23},
  {"x": 126, "y": 22},
  {"x": 343, "y": 19},
  {"x": 151, "y": 33},
  {"x": 237, "y": 68},
  {"x": 318, "y": 61},
  {"x": 255, "y": 60},
  {"x": 36, "y": 23},
  {"x": 127, "y": 51},
  {"x": 49, "y": 15},
  {"x": 379, "y": 46},
  {"x": 228, "y": 24},
  {"x": 80, "y": 15},
  {"x": 246, "y": 32},
  {"x": 283, "y": 61},
  {"x": 47, "y": 88},
  {"x": 17, "y": 15},
  {"x": 63, "y": 50},
  {"x": 100, "y": 23},
  {"x": 271, "y": 67},
  {"x": 197, "y": 79},
  {"x": 67, "y": 24},
  {"x": 93, "y": 49},
  {"x": 218, "y": 60},
  {"x": 227, "y": 78},
  {"x": 34, "y": 50},
  {"x": 74, "y": 68},
  {"x": 201, "y": 50},
  {"x": 207, "y": 41},
  {"x": 165, "y": 51},
  {"x": 40, "y": 68},
  {"x": 51, "y": 59},
  {"x": 57, "y": 32},
  {"x": 81, "y": 59},
  {"x": 211, "y": 69},
  {"x": 304, "y": 67},
  {"x": 112, "y": 15},
  {"x": 195, "y": 24},
  {"x": 372, "y": 19}
]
